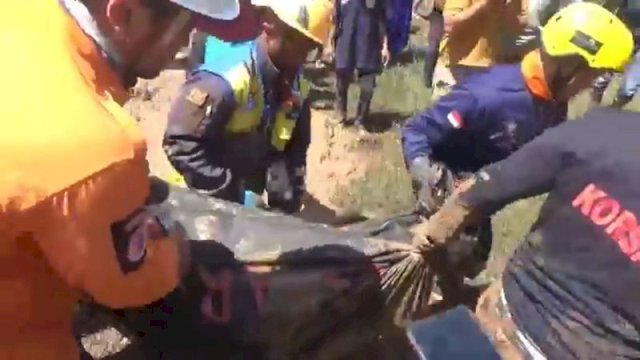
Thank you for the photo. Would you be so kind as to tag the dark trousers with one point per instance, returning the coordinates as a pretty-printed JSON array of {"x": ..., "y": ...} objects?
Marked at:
[
  {"x": 366, "y": 82},
  {"x": 436, "y": 30}
]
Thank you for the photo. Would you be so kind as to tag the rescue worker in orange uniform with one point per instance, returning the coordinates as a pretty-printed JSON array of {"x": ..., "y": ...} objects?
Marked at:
[{"x": 73, "y": 174}]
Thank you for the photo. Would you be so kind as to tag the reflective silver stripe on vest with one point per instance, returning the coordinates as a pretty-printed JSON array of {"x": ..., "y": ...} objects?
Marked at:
[{"x": 526, "y": 345}]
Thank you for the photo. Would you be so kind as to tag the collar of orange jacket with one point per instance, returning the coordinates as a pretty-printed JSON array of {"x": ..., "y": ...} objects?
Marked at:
[
  {"x": 93, "y": 65},
  {"x": 534, "y": 75}
]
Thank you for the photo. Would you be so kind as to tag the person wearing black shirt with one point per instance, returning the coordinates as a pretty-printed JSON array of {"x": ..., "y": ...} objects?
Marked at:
[{"x": 571, "y": 290}]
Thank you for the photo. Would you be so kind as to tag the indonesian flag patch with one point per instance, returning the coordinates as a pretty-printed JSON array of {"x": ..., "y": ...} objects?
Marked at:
[{"x": 455, "y": 119}]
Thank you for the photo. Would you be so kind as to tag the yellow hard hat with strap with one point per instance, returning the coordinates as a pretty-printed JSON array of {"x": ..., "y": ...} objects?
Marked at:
[
  {"x": 310, "y": 17},
  {"x": 591, "y": 32}
]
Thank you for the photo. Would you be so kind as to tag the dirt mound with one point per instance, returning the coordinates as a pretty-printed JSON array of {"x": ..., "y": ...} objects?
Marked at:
[{"x": 150, "y": 105}]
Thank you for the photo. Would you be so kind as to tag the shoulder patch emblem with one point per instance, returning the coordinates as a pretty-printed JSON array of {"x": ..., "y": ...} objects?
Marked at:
[{"x": 197, "y": 96}]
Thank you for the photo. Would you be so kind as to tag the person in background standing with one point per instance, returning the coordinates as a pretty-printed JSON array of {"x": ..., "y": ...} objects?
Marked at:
[
  {"x": 399, "y": 15},
  {"x": 361, "y": 49},
  {"x": 436, "y": 31},
  {"x": 629, "y": 11},
  {"x": 477, "y": 33}
]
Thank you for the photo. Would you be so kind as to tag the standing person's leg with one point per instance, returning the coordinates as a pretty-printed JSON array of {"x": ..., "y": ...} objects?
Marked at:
[
  {"x": 630, "y": 83},
  {"x": 344, "y": 60},
  {"x": 599, "y": 86},
  {"x": 367, "y": 84},
  {"x": 344, "y": 78},
  {"x": 436, "y": 30}
]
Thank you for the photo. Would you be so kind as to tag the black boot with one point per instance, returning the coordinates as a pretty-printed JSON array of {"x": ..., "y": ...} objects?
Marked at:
[
  {"x": 429, "y": 67},
  {"x": 342, "y": 87},
  {"x": 363, "y": 110},
  {"x": 367, "y": 83},
  {"x": 340, "y": 115}
]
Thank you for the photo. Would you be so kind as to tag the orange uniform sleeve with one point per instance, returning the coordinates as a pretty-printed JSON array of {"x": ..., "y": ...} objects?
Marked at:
[{"x": 77, "y": 240}]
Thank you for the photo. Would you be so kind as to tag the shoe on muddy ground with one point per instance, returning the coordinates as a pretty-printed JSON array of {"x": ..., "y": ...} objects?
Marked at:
[{"x": 339, "y": 118}]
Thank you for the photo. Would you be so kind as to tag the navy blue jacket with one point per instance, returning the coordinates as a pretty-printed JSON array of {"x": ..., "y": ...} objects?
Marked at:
[
  {"x": 480, "y": 121},
  {"x": 204, "y": 153}
]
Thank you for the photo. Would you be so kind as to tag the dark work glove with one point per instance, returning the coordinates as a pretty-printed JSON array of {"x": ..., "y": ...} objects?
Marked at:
[
  {"x": 245, "y": 153},
  {"x": 285, "y": 187},
  {"x": 278, "y": 183},
  {"x": 425, "y": 171},
  {"x": 432, "y": 180}
]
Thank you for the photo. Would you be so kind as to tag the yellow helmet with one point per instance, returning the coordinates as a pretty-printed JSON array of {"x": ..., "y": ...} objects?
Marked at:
[
  {"x": 310, "y": 17},
  {"x": 590, "y": 31}
]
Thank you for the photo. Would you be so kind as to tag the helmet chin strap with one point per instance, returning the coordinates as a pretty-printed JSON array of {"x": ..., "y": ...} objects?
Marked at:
[
  {"x": 564, "y": 75},
  {"x": 556, "y": 84}
]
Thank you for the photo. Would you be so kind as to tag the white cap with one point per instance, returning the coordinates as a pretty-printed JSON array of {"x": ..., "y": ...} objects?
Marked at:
[{"x": 215, "y": 9}]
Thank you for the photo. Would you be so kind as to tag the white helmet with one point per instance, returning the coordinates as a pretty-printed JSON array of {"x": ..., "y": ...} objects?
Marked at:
[{"x": 215, "y": 9}]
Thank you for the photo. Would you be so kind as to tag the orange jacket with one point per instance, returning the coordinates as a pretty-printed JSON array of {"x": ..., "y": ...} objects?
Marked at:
[{"x": 72, "y": 162}]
